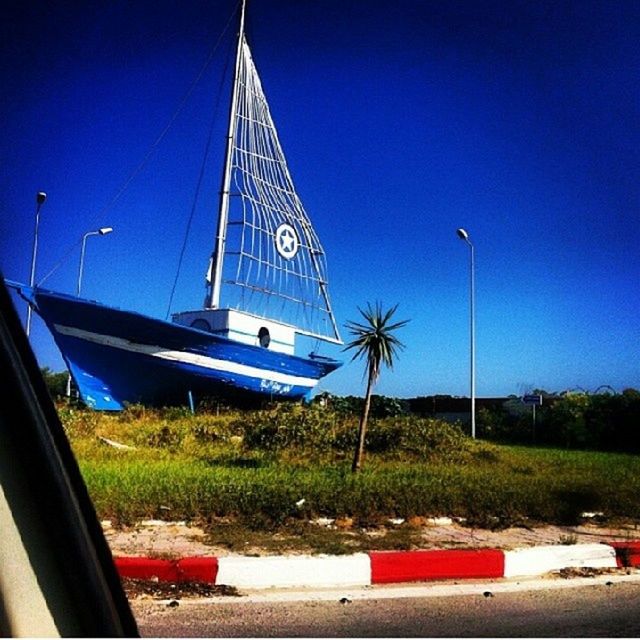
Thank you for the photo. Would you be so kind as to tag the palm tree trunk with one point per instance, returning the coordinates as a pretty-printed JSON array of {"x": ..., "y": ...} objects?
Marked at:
[{"x": 362, "y": 430}]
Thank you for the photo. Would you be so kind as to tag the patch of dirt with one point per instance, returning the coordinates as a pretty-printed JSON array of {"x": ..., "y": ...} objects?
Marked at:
[
  {"x": 584, "y": 572},
  {"x": 135, "y": 588}
]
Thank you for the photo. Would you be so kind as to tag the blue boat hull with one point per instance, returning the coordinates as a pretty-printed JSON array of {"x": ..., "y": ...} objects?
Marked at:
[{"x": 118, "y": 357}]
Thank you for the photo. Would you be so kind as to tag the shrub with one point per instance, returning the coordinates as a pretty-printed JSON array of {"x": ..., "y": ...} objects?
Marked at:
[
  {"x": 288, "y": 425},
  {"x": 429, "y": 437},
  {"x": 78, "y": 423},
  {"x": 319, "y": 429}
]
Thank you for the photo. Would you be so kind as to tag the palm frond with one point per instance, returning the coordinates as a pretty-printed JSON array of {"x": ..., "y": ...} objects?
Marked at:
[{"x": 374, "y": 338}]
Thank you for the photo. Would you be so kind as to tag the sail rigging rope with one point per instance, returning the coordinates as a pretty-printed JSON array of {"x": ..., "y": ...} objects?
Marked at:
[
  {"x": 152, "y": 148},
  {"x": 198, "y": 185}
]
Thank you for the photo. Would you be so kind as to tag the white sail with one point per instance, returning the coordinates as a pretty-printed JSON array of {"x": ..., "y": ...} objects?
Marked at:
[{"x": 273, "y": 264}]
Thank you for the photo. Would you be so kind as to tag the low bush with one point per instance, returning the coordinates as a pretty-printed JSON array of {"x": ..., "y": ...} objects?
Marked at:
[
  {"x": 319, "y": 429},
  {"x": 289, "y": 425}
]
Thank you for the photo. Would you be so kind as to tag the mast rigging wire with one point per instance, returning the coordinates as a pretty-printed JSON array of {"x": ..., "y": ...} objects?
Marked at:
[
  {"x": 198, "y": 186},
  {"x": 151, "y": 149}
]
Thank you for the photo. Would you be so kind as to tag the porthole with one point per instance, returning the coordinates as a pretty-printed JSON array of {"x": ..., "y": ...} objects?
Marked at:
[
  {"x": 200, "y": 323},
  {"x": 263, "y": 337}
]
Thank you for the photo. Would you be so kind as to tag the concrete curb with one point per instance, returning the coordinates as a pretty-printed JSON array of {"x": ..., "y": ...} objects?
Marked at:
[{"x": 379, "y": 567}]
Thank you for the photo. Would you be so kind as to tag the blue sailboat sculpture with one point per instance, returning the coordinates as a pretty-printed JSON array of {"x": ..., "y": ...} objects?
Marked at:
[{"x": 267, "y": 265}]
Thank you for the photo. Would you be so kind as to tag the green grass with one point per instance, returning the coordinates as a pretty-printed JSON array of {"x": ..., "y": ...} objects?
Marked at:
[{"x": 200, "y": 468}]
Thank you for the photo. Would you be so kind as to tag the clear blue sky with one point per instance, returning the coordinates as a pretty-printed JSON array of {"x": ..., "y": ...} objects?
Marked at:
[{"x": 401, "y": 121}]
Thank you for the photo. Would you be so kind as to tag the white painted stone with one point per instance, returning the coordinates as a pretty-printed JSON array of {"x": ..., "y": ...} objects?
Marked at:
[
  {"x": 163, "y": 523},
  {"x": 294, "y": 571},
  {"x": 539, "y": 560},
  {"x": 323, "y": 522},
  {"x": 441, "y": 522}
]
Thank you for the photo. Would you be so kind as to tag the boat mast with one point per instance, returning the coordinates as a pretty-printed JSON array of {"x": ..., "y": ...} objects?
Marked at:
[{"x": 212, "y": 300}]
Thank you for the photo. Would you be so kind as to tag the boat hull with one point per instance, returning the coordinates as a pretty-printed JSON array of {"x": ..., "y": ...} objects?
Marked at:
[{"x": 118, "y": 357}]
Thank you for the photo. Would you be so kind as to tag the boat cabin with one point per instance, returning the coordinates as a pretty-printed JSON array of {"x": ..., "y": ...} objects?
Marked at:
[{"x": 241, "y": 327}]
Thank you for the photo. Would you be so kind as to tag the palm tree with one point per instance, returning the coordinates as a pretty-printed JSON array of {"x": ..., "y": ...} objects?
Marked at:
[{"x": 375, "y": 341}]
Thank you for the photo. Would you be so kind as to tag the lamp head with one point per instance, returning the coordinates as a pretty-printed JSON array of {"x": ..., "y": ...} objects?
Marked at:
[
  {"x": 41, "y": 196},
  {"x": 463, "y": 235},
  {"x": 104, "y": 230}
]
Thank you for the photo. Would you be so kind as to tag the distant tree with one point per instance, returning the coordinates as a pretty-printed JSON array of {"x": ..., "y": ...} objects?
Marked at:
[
  {"x": 375, "y": 341},
  {"x": 386, "y": 407},
  {"x": 56, "y": 382},
  {"x": 568, "y": 419}
]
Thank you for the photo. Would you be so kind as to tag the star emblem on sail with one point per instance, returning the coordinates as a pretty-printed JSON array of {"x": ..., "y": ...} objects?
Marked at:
[{"x": 287, "y": 241}]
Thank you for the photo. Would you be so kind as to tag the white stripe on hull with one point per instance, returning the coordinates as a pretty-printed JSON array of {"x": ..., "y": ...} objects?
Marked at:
[{"x": 184, "y": 357}]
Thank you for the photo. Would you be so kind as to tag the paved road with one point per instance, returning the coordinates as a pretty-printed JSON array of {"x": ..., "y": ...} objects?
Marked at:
[{"x": 595, "y": 610}]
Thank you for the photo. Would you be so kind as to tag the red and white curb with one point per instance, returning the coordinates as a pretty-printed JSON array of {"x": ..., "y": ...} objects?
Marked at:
[{"x": 380, "y": 567}]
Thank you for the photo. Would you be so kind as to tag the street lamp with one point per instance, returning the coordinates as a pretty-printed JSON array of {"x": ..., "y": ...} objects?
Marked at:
[
  {"x": 100, "y": 232},
  {"x": 41, "y": 196},
  {"x": 463, "y": 235}
]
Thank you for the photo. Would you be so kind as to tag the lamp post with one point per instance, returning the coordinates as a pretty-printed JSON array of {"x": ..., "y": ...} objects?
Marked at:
[
  {"x": 103, "y": 231},
  {"x": 41, "y": 196},
  {"x": 463, "y": 235},
  {"x": 100, "y": 232}
]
